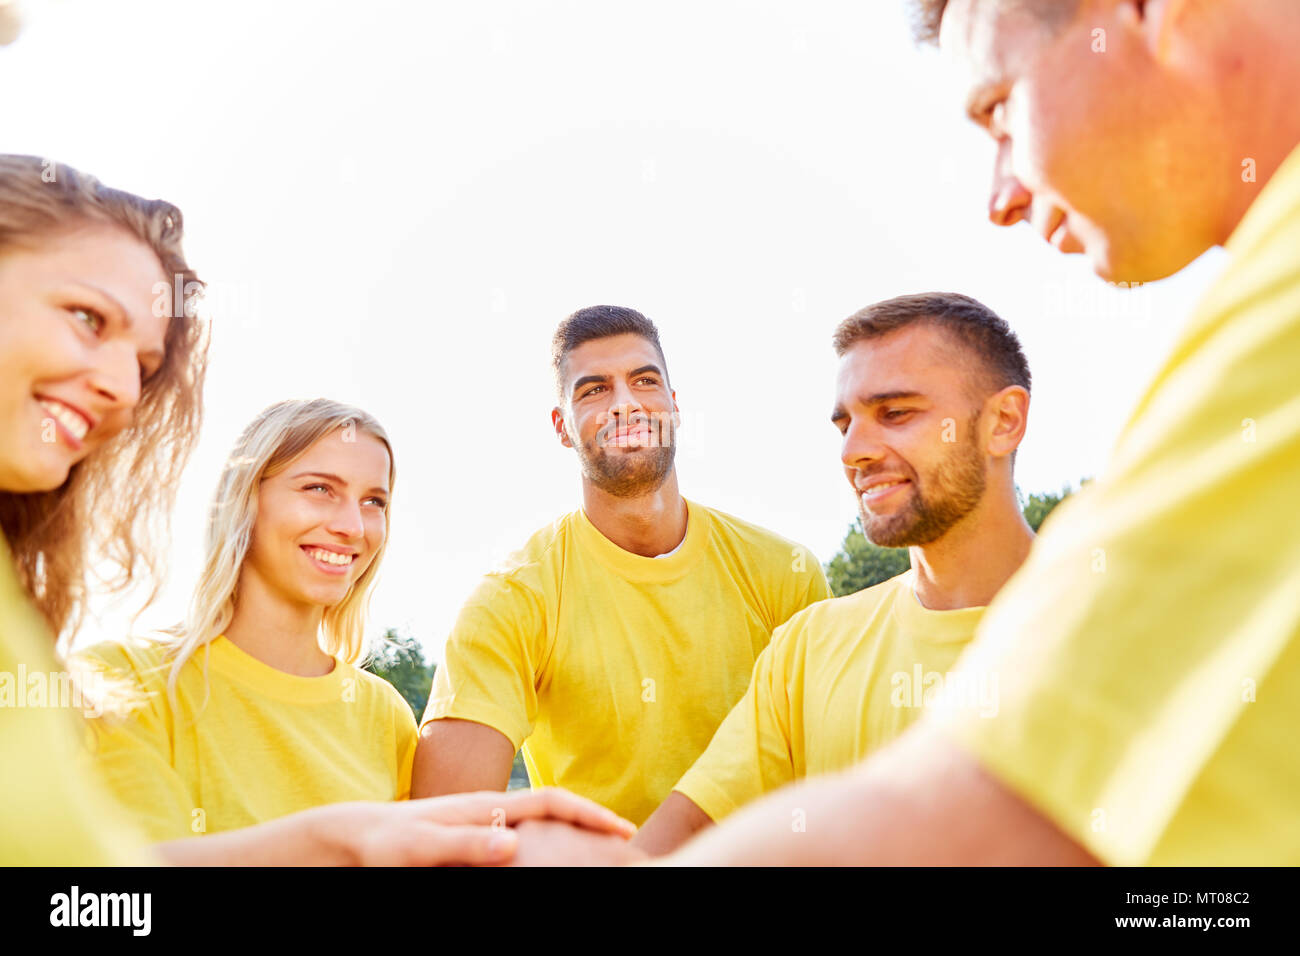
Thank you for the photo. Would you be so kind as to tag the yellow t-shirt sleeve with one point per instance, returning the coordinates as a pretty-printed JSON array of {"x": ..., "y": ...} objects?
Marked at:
[
  {"x": 1148, "y": 653},
  {"x": 750, "y": 753},
  {"x": 132, "y": 746},
  {"x": 491, "y": 660}
]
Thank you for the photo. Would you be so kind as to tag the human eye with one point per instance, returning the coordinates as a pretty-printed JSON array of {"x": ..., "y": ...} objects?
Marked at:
[
  {"x": 897, "y": 414},
  {"x": 377, "y": 501},
  {"x": 93, "y": 319}
]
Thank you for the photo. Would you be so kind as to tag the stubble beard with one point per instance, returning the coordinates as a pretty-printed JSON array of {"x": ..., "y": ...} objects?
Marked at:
[
  {"x": 955, "y": 489},
  {"x": 629, "y": 473}
]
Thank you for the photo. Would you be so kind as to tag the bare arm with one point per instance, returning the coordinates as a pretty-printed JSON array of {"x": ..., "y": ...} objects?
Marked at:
[
  {"x": 676, "y": 821},
  {"x": 472, "y": 828},
  {"x": 458, "y": 756},
  {"x": 920, "y": 801}
]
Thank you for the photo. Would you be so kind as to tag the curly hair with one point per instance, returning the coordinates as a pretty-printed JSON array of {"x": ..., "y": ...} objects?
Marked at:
[{"x": 112, "y": 513}]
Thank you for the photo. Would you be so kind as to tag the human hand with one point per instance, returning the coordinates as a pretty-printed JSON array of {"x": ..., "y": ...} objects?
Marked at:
[
  {"x": 464, "y": 828},
  {"x": 552, "y": 843}
]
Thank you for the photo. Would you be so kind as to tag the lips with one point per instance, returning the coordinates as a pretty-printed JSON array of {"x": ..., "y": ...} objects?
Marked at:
[
  {"x": 877, "y": 491},
  {"x": 1056, "y": 232},
  {"x": 331, "y": 560},
  {"x": 72, "y": 421}
]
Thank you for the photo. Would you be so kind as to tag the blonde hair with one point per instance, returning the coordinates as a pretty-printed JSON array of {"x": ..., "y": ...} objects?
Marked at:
[
  {"x": 272, "y": 442},
  {"x": 112, "y": 512}
]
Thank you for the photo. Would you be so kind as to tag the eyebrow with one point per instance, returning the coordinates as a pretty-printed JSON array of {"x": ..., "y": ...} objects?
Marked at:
[
  {"x": 328, "y": 476},
  {"x": 840, "y": 413},
  {"x": 121, "y": 310},
  {"x": 597, "y": 379}
]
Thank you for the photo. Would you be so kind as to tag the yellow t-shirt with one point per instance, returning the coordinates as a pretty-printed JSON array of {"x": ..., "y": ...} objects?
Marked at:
[
  {"x": 615, "y": 668},
  {"x": 264, "y": 745},
  {"x": 54, "y": 809},
  {"x": 1149, "y": 649},
  {"x": 839, "y": 680}
]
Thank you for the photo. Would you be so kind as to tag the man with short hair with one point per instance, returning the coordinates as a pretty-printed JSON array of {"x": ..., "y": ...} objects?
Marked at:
[
  {"x": 932, "y": 402},
  {"x": 1149, "y": 649},
  {"x": 614, "y": 643}
]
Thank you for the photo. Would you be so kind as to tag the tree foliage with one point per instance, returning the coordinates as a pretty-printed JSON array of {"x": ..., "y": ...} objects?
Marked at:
[
  {"x": 399, "y": 660},
  {"x": 861, "y": 564}
]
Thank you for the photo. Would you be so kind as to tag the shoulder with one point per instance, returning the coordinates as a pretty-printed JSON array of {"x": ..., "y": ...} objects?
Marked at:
[
  {"x": 543, "y": 548},
  {"x": 144, "y": 660},
  {"x": 732, "y": 533},
  {"x": 852, "y": 610},
  {"x": 377, "y": 690}
]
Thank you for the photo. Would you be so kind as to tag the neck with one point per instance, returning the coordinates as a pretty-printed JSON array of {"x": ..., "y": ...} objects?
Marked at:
[
  {"x": 648, "y": 525},
  {"x": 1256, "y": 75},
  {"x": 968, "y": 565},
  {"x": 278, "y": 632}
]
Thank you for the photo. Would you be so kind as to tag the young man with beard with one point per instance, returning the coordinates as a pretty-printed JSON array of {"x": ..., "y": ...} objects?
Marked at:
[
  {"x": 1149, "y": 649},
  {"x": 933, "y": 397},
  {"x": 614, "y": 643}
]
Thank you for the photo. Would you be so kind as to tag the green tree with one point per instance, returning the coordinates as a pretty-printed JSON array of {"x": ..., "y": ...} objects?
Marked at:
[
  {"x": 399, "y": 659},
  {"x": 861, "y": 564},
  {"x": 1038, "y": 506}
]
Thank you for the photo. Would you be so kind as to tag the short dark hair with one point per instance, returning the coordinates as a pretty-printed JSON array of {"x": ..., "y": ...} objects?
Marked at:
[
  {"x": 927, "y": 15},
  {"x": 973, "y": 325},
  {"x": 599, "y": 322}
]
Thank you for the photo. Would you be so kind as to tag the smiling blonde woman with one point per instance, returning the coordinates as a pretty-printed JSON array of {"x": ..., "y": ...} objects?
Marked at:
[{"x": 255, "y": 707}]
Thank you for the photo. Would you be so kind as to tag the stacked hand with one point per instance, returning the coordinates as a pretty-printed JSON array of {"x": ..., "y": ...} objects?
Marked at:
[
  {"x": 533, "y": 827},
  {"x": 539, "y": 827}
]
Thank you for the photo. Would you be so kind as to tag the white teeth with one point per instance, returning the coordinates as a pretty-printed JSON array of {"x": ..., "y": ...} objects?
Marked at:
[
  {"x": 878, "y": 489},
  {"x": 66, "y": 417},
  {"x": 331, "y": 557}
]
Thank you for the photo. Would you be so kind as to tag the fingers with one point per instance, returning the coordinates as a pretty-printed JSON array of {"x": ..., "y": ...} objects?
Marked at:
[
  {"x": 507, "y": 809},
  {"x": 554, "y": 803},
  {"x": 433, "y": 844}
]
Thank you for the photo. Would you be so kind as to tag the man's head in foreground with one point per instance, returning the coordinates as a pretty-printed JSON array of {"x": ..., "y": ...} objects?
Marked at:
[
  {"x": 1137, "y": 133},
  {"x": 617, "y": 409},
  {"x": 932, "y": 400}
]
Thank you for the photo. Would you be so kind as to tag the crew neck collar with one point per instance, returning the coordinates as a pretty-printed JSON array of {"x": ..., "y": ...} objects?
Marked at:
[
  {"x": 931, "y": 627},
  {"x": 636, "y": 567},
  {"x": 231, "y": 661}
]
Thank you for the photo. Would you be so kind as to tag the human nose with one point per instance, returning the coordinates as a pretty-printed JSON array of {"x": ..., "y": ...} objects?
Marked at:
[
  {"x": 345, "y": 520},
  {"x": 116, "y": 377},
  {"x": 1009, "y": 200},
  {"x": 861, "y": 446}
]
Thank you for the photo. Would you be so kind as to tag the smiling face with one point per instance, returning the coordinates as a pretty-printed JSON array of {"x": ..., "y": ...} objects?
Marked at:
[
  {"x": 912, "y": 435},
  {"x": 1132, "y": 181},
  {"x": 321, "y": 521},
  {"x": 78, "y": 336},
  {"x": 619, "y": 414}
]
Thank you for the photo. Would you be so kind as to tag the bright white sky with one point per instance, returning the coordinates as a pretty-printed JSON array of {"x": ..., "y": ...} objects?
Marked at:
[{"x": 395, "y": 203}]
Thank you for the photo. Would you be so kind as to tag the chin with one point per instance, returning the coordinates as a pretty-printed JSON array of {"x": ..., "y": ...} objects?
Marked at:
[{"x": 41, "y": 476}]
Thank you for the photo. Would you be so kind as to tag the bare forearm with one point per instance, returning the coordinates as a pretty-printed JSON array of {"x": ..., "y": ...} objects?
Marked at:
[
  {"x": 676, "y": 821},
  {"x": 302, "y": 839},
  {"x": 920, "y": 801}
]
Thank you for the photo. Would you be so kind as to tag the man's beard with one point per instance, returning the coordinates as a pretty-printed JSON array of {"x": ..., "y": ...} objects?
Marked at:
[
  {"x": 630, "y": 473},
  {"x": 949, "y": 495}
]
